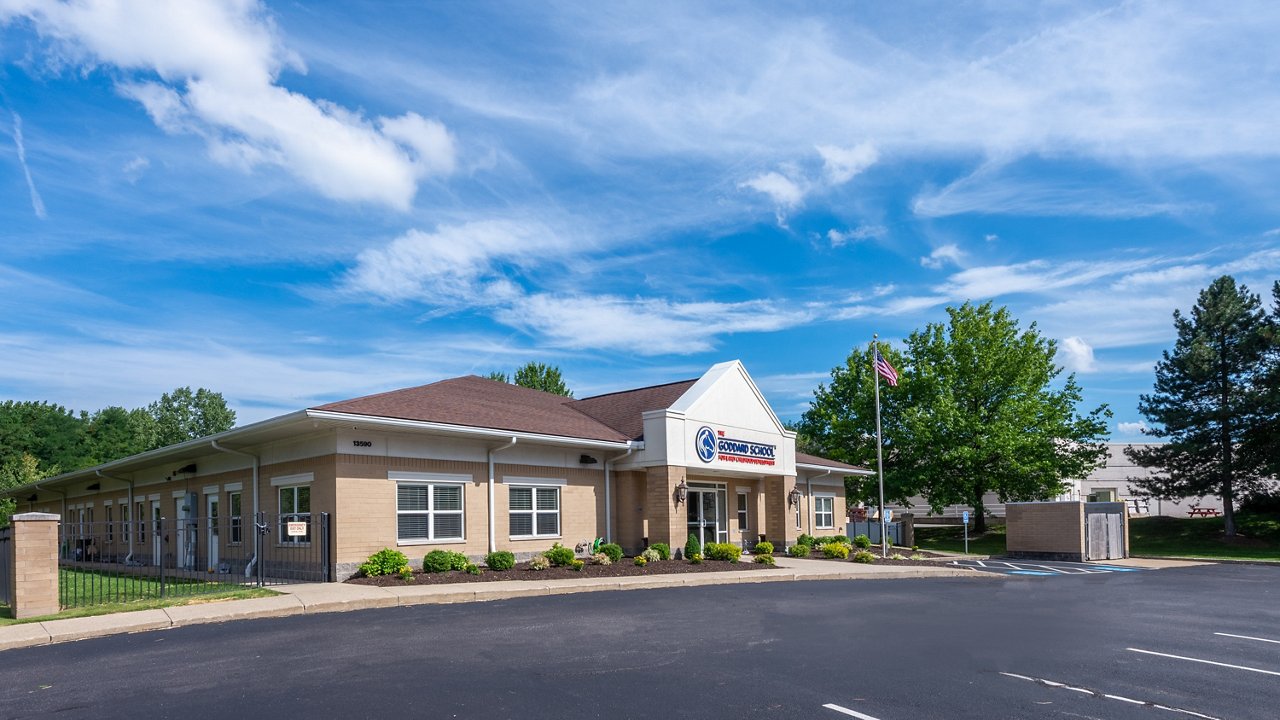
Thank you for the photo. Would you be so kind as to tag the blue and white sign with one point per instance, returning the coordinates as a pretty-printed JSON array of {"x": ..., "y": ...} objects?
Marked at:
[
  {"x": 712, "y": 445},
  {"x": 705, "y": 443},
  {"x": 888, "y": 515},
  {"x": 965, "y": 516}
]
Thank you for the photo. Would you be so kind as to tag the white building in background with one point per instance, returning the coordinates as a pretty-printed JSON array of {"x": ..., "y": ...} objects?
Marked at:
[{"x": 1106, "y": 484}]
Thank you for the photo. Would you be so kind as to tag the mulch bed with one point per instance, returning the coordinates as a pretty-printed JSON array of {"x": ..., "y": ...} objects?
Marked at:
[
  {"x": 906, "y": 552},
  {"x": 625, "y": 568}
]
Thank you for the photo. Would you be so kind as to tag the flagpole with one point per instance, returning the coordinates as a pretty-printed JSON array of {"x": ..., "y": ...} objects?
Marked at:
[{"x": 884, "y": 538}]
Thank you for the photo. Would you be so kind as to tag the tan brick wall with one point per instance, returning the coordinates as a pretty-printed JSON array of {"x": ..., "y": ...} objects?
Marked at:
[
  {"x": 666, "y": 523},
  {"x": 629, "y": 496},
  {"x": 780, "y": 520},
  {"x": 1049, "y": 528},
  {"x": 367, "y": 521},
  {"x": 35, "y": 565}
]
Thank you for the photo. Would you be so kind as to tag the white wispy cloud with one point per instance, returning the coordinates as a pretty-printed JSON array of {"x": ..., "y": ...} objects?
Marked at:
[
  {"x": 218, "y": 66},
  {"x": 840, "y": 165},
  {"x": 37, "y": 205},
  {"x": 784, "y": 191},
  {"x": 1076, "y": 355},
  {"x": 941, "y": 255},
  {"x": 1131, "y": 428},
  {"x": 840, "y": 238}
]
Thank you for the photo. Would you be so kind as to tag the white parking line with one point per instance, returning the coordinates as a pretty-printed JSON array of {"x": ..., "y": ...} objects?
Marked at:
[
  {"x": 1246, "y": 637},
  {"x": 847, "y": 711},
  {"x": 1064, "y": 686},
  {"x": 1206, "y": 662}
]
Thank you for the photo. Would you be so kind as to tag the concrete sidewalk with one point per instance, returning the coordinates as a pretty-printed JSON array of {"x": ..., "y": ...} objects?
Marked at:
[{"x": 338, "y": 597}]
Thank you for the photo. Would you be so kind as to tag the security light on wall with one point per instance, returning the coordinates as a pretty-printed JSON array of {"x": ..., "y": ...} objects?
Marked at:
[
  {"x": 682, "y": 493},
  {"x": 587, "y": 460}
]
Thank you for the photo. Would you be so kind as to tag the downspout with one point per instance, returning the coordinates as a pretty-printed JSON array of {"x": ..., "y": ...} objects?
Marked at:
[
  {"x": 608, "y": 504},
  {"x": 248, "y": 569},
  {"x": 493, "y": 546},
  {"x": 127, "y": 558}
]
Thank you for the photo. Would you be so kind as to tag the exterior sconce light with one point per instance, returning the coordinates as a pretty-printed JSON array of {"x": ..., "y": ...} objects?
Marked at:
[
  {"x": 793, "y": 497},
  {"x": 681, "y": 493}
]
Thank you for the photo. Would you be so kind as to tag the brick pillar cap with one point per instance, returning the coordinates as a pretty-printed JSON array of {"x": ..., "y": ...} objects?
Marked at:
[{"x": 34, "y": 516}]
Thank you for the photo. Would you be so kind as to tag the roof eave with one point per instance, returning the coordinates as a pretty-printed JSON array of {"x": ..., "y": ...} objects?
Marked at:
[{"x": 470, "y": 431}]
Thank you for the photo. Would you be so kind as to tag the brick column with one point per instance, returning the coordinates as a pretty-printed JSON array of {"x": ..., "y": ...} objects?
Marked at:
[
  {"x": 35, "y": 565},
  {"x": 780, "y": 519},
  {"x": 667, "y": 523}
]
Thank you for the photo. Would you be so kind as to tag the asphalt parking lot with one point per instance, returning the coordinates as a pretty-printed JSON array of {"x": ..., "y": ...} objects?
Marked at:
[
  {"x": 1197, "y": 642},
  {"x": 1042, "y": 568}
]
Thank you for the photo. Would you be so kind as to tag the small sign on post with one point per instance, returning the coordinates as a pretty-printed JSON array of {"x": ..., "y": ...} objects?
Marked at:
[
  {"x": 296, "y": 529},
  {"x": 965, "y": 517}
]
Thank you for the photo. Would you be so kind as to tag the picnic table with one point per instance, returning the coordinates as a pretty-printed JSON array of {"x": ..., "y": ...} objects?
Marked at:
[{"x": 1197, "y": 511}]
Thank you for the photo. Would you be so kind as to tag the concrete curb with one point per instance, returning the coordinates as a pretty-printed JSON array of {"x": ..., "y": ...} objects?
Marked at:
[{"x": 338, "y": 597}]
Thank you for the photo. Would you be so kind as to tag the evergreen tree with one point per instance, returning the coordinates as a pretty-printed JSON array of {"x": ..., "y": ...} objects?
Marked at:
[{"x": 1208, "y": 402}]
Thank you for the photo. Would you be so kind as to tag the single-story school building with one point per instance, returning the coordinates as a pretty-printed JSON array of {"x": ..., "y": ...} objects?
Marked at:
[{"x": 469, "y": 465}]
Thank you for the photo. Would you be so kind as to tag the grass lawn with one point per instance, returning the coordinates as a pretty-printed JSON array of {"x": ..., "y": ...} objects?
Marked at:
[
  {"x": 86, "y": 593},
  {"x": 951, "y": 539},
  {"x": 1259, "y": 537},
  {"x": 1155, "y": 536}
]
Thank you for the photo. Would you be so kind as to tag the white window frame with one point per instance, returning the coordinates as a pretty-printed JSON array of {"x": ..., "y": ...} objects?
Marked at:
[
  {"x": 235, "y": 520},
  {"x": 432, "y": 481},
  {"x": 533, "y": 513},
  {"x": 285, "y": 518},
  {"x": 820, "y": 499}
]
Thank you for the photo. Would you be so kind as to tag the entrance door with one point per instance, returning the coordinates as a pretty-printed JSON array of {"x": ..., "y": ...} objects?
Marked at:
[
  {"x": 706, "y": 515},
  {"x": 156, "y": 546},
  {"x": 211, "y": 515}
]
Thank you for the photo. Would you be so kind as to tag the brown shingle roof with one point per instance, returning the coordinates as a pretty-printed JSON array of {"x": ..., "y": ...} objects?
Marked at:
[
  {"x": 474, "y": 401},
  {"x": 622, "y": 410},
  {"x": 806, "y": 459}
]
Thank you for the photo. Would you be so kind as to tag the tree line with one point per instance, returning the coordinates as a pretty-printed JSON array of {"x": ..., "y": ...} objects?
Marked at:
[
  {"x": 981, "y": 406},
  {"x": 41, "y": 439}
]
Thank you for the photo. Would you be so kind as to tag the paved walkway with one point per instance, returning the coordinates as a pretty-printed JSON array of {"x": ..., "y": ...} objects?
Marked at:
[{"x": 337, "y": 597}]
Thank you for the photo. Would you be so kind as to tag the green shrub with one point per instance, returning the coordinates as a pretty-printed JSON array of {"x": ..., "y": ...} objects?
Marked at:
[
  {"x": 695, "y": 559},
  {"x": 458, "y": 561},
  {"x": 500, "y": 560},
  {"x": 663, "y": 550},
  {"x": 613, "y": 550},
  {"x": 916, "y": 556},
  {"x": 840, "y": 539},
  {"x": 836, "y": 551},
  {"x": 641, "y": 561},
  {"x": 406, "y": 573},
  {"x": 862, "y": 541},
  {"x": 897, "y": 556},
  {"x": 539, "y": 562},
  {"x": 799, "y": 551},
  {"x": 578, "y": 564},
  {"x": 766, "y": 560},
  {"x": 559, "y": 555},
  {"x": 727, "y": 552},
  {"x": 805, "y": 539},
  {"x": 384, "y": 562},
  {"x": 651, "y": 555},
  {"x": 438, "y": 561},
  {"x": 915, "y": 548},
  {"x": 692, "y": 546},
  {"x": 862, "y": 556},
  {"x": 472, "y": 569},
  {"x": 763, "y": 548}
]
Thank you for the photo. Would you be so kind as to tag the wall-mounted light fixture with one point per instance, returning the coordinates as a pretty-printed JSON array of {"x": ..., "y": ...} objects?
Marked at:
[
  {"x": 95, "y": 486},
  {"x": 681, "y": 494},
  {"x": 793, "y": 497},
  {"x": 587, "y": 460}
]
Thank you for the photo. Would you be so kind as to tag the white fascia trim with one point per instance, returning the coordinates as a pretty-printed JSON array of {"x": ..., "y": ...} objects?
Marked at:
[
  {"x": 492, "y": 433},
  {"x": 834, "y": 470},
  {"x": 427, "y": 477},
  {"x": 513, "y": 480},
  {"x": 210, "y": 489},
  {"x": 233, "y": 487},
  {"x": 290, "y": 480}
]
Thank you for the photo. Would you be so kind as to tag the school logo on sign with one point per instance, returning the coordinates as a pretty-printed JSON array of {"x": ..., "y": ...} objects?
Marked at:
[
  {"x": 712, "y": 445},
  {"x": 705, "y": 442}
]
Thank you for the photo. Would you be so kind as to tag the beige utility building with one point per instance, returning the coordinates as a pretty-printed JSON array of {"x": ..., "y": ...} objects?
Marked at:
[{"x": 466, "y": 464}]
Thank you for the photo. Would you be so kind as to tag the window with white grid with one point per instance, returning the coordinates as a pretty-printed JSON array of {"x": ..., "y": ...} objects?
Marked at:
[
  {"x": 429, "y": 511},
  {"x": 535, "y": 512}
]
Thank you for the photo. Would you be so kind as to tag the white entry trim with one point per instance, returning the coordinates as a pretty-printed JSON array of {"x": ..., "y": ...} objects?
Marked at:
[
  {"x": 210, "y": 489},
  {"x": 233, "y": 487},
  {"x": 406, "y": 476},
  {"x": 514, "y": 480}
]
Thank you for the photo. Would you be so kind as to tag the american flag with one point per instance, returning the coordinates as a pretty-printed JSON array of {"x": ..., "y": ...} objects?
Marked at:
[{"x": 886, "y": 370}]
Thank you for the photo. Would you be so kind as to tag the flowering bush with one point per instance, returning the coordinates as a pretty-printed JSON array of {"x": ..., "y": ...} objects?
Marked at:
[
  {"x": 578, "y": 565},
  {"x": 539, "y": 562},
  {"x": 695, "y": 559},
  {"x": 651, "y": 555},
  {"x": 862, "y": 556},
  {"x": 835, "y": 551},
  {"x": 641, "y": 561},
  {"x": 559, "y": 555}
]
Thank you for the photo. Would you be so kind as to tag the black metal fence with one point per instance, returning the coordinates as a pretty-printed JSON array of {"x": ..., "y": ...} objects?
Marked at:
[
  {"x": 122, "y": 562},
  {"x": 6, "y": 565}
]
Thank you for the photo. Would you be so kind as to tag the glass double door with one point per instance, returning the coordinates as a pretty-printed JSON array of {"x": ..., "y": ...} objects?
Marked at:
[{"x": 708, "y": 514}]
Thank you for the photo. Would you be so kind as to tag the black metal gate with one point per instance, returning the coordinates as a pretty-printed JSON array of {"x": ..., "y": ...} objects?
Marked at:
[
  {"x": 6, "y": 565},
  {"x": 121, "y": 562}
]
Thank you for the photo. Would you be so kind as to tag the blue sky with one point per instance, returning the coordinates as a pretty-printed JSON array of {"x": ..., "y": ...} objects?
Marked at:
[{"x": 295, "y": 203}]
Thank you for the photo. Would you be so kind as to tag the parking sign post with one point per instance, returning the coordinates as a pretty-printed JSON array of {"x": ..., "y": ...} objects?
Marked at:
[{"x": 965, "y": 516}]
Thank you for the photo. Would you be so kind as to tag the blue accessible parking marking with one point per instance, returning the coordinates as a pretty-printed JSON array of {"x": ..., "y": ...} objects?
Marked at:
[{"x": 1041, "y": 568}]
